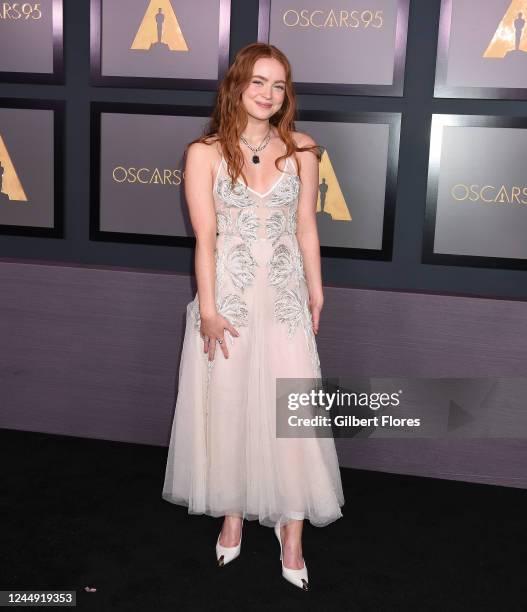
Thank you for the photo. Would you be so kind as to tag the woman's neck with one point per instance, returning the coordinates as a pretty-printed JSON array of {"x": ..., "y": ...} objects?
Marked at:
[{"x": 254, "y": 134}]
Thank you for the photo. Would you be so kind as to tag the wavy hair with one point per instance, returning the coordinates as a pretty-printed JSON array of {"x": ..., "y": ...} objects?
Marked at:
[{"x": 229, "y": 117}]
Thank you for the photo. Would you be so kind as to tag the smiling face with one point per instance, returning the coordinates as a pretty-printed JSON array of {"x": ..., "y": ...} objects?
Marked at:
[{"x": 265, "y": 93}]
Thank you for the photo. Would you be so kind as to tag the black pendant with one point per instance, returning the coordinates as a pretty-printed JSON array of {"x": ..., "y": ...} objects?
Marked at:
[{"x": 256, "y": 159}]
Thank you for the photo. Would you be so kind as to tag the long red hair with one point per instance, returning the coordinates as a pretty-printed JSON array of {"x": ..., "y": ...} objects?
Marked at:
[{"x": 229, "y": 117}]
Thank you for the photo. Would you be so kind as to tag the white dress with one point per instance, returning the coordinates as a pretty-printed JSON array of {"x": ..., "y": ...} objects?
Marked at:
[{"x": 224, "y": 456}]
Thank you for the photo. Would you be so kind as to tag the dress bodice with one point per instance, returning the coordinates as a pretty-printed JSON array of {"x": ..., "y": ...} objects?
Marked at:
[
  {"x": 258, "y": 260},
  {"x": 250, "y": 215}
]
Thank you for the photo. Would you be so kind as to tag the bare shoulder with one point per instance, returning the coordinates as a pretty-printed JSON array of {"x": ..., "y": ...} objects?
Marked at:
[
  {"x": 202, "y": 155},
  {"x": 203, "y": 151},
  {"x": 302, "y": 139}
]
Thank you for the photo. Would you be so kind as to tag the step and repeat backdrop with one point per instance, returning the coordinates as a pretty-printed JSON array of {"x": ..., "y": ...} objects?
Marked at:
[{"x": 475, "y": 209}]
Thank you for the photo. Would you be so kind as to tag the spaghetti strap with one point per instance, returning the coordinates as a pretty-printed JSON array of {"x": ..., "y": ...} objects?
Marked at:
[{"x": 218, "y": 172}]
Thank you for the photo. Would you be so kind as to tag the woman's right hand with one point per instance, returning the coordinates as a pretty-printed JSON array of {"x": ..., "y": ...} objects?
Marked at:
[{"x": 212, "y": 329}]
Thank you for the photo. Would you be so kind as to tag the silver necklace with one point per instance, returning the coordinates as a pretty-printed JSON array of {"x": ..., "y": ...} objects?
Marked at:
[{"x": 260, "y": 147}]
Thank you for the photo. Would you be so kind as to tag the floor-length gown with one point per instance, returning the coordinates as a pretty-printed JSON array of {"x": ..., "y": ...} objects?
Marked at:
[{"x": 224, "y": 456}]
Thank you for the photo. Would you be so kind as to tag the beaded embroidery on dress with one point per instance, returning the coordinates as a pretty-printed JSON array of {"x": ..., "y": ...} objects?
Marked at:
[{"x": 224, "y": 456}]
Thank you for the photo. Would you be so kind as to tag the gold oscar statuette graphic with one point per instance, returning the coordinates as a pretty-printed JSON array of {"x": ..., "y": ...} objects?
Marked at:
[
  {"x": 331, "y": 201},
  {"x": 159, "y": 29},
  {"x": 511, "y": 36},
  {"x": 10, "y": 185}
]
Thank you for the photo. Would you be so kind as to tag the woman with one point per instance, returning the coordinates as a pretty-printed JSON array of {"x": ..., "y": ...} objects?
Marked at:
[{"x": 253, "y": 318}]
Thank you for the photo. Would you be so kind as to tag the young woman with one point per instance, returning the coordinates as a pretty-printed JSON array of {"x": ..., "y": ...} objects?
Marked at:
[{"x": 253, "y": 319}]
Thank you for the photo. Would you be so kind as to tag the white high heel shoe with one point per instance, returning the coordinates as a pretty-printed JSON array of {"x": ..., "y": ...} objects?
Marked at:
[
  {"x": 225, "y": 554},
  {"x": 298, "y": 577}
]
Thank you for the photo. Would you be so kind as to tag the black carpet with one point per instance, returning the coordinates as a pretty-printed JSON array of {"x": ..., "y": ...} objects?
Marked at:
[{"x": 82, "y": 513}]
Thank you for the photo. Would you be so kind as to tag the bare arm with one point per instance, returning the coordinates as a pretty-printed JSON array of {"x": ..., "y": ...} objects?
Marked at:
[
  {"x": 307, "y": 231},
  {"x": 198, "y": 193}
]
